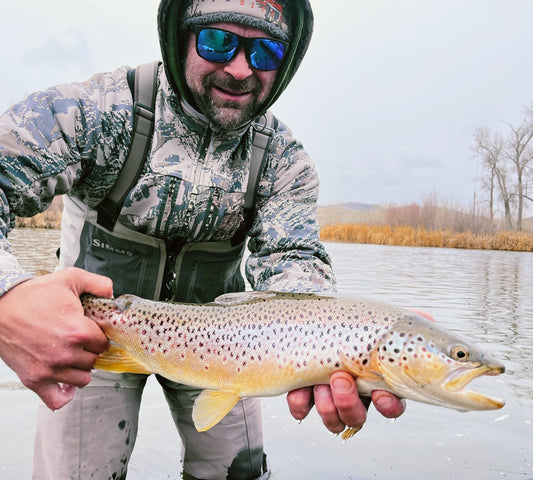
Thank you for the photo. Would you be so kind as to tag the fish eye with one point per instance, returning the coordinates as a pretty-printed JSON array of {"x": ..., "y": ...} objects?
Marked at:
[{"x": 459, "y": 353}]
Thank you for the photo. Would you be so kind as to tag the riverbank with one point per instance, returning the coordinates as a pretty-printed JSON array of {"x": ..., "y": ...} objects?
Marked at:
[
  {"x": 373, "y": 234},
  {"x": 50, "y": 218},
  {"x": 420, "y": 237},
  {"x": 47, "y": 219}
]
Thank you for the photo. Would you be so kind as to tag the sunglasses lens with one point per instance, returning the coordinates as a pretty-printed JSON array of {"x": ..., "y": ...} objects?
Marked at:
[
  {"x": 266, "y": 54},
  {"x": 216, "y": 45},
  {"x": 220, "y": 46}
]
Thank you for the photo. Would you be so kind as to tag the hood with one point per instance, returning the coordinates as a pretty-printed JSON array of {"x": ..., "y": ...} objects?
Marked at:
[{"x": 169, "y": 21}]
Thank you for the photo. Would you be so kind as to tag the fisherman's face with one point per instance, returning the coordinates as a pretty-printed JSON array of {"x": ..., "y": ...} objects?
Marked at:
[{"x": 228, "y": 94}]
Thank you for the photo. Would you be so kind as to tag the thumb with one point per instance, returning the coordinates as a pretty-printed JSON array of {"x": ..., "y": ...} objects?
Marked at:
[{"x": 86, "y": 282}]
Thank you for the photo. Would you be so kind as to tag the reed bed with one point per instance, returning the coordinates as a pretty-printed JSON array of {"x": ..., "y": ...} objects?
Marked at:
[
  {"x": 50, "y": 218},
  {"x": 47, "y": 219},
  {"x": 405, "y": 236},
  {"x": 421, "y": 237}
]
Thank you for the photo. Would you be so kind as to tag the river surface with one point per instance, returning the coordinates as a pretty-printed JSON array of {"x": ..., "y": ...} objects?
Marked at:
[{"x": 483, "y": 295}]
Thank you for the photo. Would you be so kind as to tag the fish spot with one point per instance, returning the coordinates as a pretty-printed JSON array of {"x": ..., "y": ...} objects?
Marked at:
[{"x": 122, "y": 424}]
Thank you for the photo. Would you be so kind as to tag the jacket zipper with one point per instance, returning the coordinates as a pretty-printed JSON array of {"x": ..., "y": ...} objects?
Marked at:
[{"x": 205, "y": 152}]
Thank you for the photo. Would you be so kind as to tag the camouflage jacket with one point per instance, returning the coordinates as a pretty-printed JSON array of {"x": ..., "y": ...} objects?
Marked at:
[{"x": 73, "y": 139}]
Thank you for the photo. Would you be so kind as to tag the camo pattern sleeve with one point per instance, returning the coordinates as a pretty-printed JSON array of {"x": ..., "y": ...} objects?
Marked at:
[
  {"x": 67, "y": 139},
  {"x": 286, "y": 253}
]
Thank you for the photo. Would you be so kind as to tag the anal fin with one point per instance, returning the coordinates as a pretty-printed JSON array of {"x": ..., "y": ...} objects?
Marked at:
[
  {"x": 118, "y": 360},
  {"x": 210, "y": 407}
]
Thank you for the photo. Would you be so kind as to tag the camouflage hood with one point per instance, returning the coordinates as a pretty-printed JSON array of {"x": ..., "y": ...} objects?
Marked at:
[{"x": 170, "y": 18}]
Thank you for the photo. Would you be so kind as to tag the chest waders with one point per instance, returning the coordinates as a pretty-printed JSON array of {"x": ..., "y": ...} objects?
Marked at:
[{"x": 151, "y": 267}]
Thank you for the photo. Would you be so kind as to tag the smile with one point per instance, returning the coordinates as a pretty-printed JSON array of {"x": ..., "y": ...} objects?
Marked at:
[{"x": 231, "y": 95}]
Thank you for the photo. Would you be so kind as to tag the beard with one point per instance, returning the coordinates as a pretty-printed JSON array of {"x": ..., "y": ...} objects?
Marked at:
[{"x": 226, "y": 115}]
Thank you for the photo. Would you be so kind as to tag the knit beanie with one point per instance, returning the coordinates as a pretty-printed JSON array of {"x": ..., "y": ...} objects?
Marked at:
[{"x": 267, "y": 15}]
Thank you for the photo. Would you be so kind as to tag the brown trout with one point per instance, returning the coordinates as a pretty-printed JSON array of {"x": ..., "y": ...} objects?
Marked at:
[{"x": 259, "y": 344}]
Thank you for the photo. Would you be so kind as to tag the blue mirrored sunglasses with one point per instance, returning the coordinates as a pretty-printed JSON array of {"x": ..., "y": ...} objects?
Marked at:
[{"x": 221, "y": 46}]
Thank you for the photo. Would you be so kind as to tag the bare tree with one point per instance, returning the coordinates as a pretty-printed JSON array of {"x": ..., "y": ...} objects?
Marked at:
[
  {"x": 490, "y": 147},
  {"x": 519, "y": 153},
  {"x": 529, "y": 168}
]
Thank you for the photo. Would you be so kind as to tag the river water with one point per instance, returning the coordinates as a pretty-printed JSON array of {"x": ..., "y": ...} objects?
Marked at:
[{"x": 483, "y": 295}]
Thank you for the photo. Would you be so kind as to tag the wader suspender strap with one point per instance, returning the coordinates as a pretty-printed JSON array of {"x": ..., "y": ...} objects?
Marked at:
[
  {"x": 144, "y": 94},
  {"x": 262, "y": 136}
]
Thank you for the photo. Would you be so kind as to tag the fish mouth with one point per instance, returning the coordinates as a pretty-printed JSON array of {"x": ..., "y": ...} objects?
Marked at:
[{"x": 471, "y": 399}]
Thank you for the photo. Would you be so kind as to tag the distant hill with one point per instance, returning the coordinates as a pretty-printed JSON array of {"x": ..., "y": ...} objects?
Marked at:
[
  {"x": 429, "y": 216},
  {"x": 365, "y": 207}
]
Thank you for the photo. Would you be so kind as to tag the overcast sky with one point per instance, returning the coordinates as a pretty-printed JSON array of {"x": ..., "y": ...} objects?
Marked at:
[{"x": 386, "y": 102}]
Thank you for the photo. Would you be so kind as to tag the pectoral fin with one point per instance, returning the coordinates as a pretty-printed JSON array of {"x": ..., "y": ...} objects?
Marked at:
[
  {"x": 210, "y": 407},
  {"x": 369, "y": 371},
  {"x": 118, "y": 360}
]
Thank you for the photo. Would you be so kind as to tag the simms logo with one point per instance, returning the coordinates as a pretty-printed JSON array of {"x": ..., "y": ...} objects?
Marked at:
[{"x": 108, "y": 248}]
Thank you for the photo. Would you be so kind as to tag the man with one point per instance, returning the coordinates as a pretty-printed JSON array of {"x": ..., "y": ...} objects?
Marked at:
[{"x": 178, "y": 235}]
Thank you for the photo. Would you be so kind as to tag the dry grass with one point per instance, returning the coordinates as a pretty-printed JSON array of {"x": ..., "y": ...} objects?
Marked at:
[
  {"x": 421, "y": 237},
  {"x": 41, "y": 220},
  {"x": 50, "y": 218},
  {"x": 379, "y": 234}
]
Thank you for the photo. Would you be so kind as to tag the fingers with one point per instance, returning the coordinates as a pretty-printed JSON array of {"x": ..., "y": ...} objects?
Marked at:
[
  {"x": 339, "y": 404},
  {"x": 56, "y": 395},
  {"x": 94, "y": 341},
  {"x": 422, "y": 313},
  {"x": 387, "y": 404},
  {"x": 73, "y": 377},
  {"x": 46, "y": 339},
  {"x": 84, "y": 360},
  {"x": 56, "y": 388},
  {"x": 300, "y": 402}
]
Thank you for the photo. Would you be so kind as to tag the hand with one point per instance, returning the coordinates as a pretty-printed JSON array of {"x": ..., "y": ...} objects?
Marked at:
[
  {"x": 45, "y": 337},
  {"x": 423, "y": 313},
  {"x": 339, "y": 404}
]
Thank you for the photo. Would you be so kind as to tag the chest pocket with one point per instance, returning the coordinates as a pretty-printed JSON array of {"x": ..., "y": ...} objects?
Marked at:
[
  {"x": 134, "y": 261},
  {"x": 144, "y": 266}
]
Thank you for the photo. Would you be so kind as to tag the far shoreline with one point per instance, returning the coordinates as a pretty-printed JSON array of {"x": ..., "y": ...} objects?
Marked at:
[
  {"x": 373, "y": 234},
  {"x": 407, "y": 236}
]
